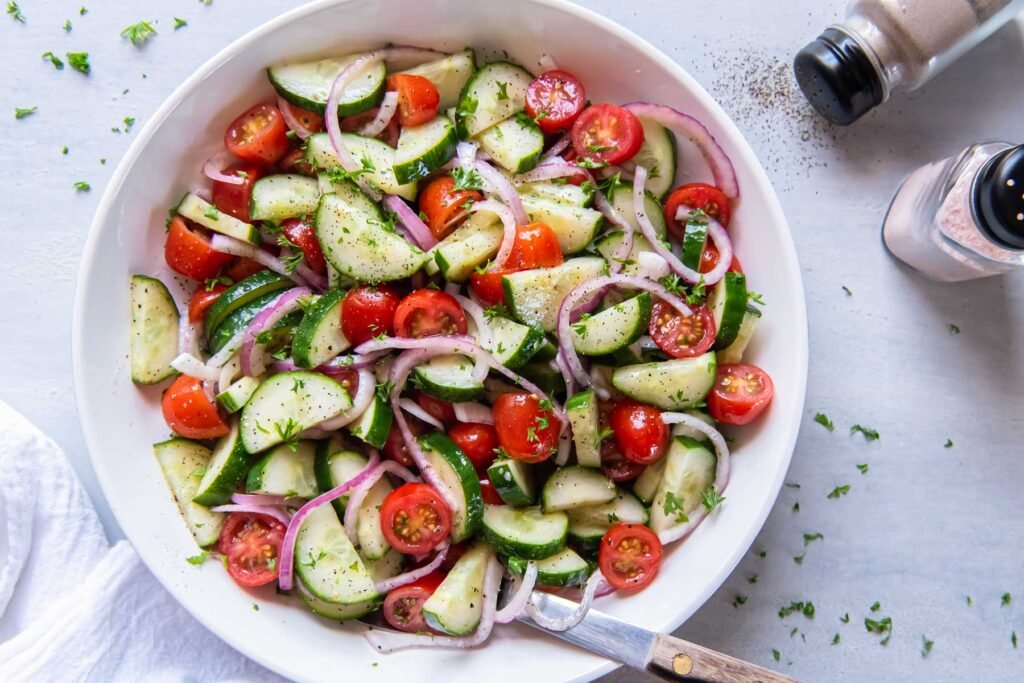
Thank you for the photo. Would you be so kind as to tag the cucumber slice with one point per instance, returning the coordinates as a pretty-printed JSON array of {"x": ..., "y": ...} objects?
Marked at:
[
  {"x": 525, "y": 532},
  {"x": 459, "y": 477},
  {"x": 334, "y": 612},
  {"x": 285, "y": 472},
  {"x": 575, "y": 227},
  {"x": 576, "y": 196},
  {"x": 670, "y": 385},
  {"x": 376, "y": 158},
  {"x": 238, "y": 394},
  {"x": 242, "y": 316},
  {"x": 449, "y": 378},
  {"x": 566, "y": 568},
  {"x": 308, "y": 85},
  {"x": 658, "y": 156},
  {"x": 641, "y": 258},
  {"x": 183, "y": 463},
  {"x": 728, "y": 303},
  {"x": 225, "y": 471},
  {"x": 689, "y": 471},
  {"x": 515, "y": 144},
  {"x": 472, "y": 245},
  {"x": 613, "y": 328},
  {"x": 351, "y": 231},
  {"x": 534, "y": 296},
  {"x": 625, "y": 508},
  {"x": 204, "y": 213},
  {"x": 372, "y": 544},
  {"x": 449, "y": 76},
  {"x": 287, "y": 403},
  {"x": 622, "y": 199},
  {"x": 646, "y": 485},
  {"x": 513, "y": 480},
  {"x": 374, "y": 425},
  {"x": 284, "y": 195},
  {"x": 583, "y": 416},
  {"x": 334, "y": 465},
  {"x": 695, "y": 239},
  {"x": 575, "y": 487},
  {"x": 327, "y": 562},
  {"x": 243, "y": 292},
  {"x": 154, "y": 330},
  {"x": 424, "y": 149},
  {"x": 494, "y": 93},
  {"x": 319, "y": 338},
  {"x": 457, "y": 605},
  {"x": 512, "y": 343},
  {"x": 734, "y": 352},
  {"x": 586, "y": 538}
]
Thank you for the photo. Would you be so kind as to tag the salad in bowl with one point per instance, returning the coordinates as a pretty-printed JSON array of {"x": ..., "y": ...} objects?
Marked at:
[{"x": 442, "y": 324}]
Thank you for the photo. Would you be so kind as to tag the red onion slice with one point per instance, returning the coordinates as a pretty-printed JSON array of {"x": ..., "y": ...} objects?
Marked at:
[
  {"x": 721, "y": 166},
  {"x": 557, "y": 148},
  {"x": 253, "y": 355},
  {"x": 187, "y": 364},
  {"x": 496, "y": 183},
  {"x": 410, "y": 406},
  {"x": 229, "y": 245},
  {"x": 483, "y": 331},
  {"x": 622, "y": 252},
  {"x": 388, "y": 585},
  {"x": 473, "y": 412},
  {"x": 521, "y": 596},
  {"x": 415, "y": 226},
  {"x": 721, "y": 240},
  {"x": 268, "y": 510},
  {"x": 556, "y": 168},
  {"x": 466, "y": 153},
  {"x": 215, "y": 165},
  {"x": 658, "y": 244},
  {"x": 315, "y": 279},
  {"x": 508, "y": 221},
  {"x": 263, "y": 499},
  {"x": 566, "y": 623},
  {"x": 388, "y": 107}
]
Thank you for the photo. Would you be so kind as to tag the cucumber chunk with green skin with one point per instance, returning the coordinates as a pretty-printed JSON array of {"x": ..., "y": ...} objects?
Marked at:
[
  {"x": 374, "y": 425},
  {"x": 284, "y": 471},
  {"x": 456, "y": 607},
  {"x": 334, "y": 465},
  {"x": 319, "y": 337},
  {"x": 243, "y": 292},
  {"x": 515, "y": 144},
  {"x": 459, "y": 477},
  {"x": 613, "y": 328},
  {"x": 154, "y": 327},
  {"x": 670, "y": 385},
  {"x": 354, "y": 239},
  {"x": 449, "y": 76},
  {"x": 424, "y": 149},
  {"x": 184, "y": 463},
  {"x": 204, "y": 213},
  {"x": 283, "y": 195},
  {"x": 242, "y": 316},
  {"x": 238, "y": 394},
  {"x": 376, "y": 160},
  {"x": 621, "y": 198},
  {"x": 473, "y": 244},
  {"x": 728, "y": 303},
  {"x": 689, "y": 471},
  {"x": 449, "y": 378},
  {"x": 574, "y": 227},
  {"x": 334, "y": 612},
  {"x": 534, "y": 296},
  {"x": 287, "y": 403},
  {"x": 327, "y": 563},
  {"x": 525, "y": 532},
  {"x": 695, "y": 239},
  {"x": 646, "y": 485},
  {"x": 658, "y": 155},
  {"x": 566, "y": 568},
  {"x": 624, "y": 507},
  {"x": 734, "y": 352},
  {"x": 225, "y": 471},
  {"x": 494, "y": 93},
  {"x": 575, "y": 487},
  {"x": 571, "y": 195},
  {"x": 582, "y": 412},
  {"x": 513, "y": 480},
  {"x": 513, "y": 344},
  {"x": 308, "y": 85}
]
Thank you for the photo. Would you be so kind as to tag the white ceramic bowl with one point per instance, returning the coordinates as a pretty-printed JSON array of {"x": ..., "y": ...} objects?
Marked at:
[{"x": 121, "y": 422}]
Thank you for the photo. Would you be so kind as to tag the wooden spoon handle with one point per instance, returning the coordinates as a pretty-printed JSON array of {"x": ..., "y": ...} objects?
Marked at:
[{"x": 675, "y": 659}]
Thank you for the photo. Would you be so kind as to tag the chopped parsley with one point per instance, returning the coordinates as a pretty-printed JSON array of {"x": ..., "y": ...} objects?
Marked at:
[
  {"x": 845, "y": 618},
  {"x": 805, "y": 608},
  {"x": 467, "y": 106},
  {"x": 198, "y": 559},
  {"x": 863, "y": 468},
  {"x": 711, "y": 498},
  {"x": 467, "y": 179},
  {"x": 212, "y": 212},
  {"x": 697, "y": 293},
  {"x": 881, "y": 627},
  {"x": 57, "y": 62},
  {"x": 139, "y": 33},
  {"x": 775, "y": 654},
  {"x": 67, "y": 25},
  {"x": 22, "y": 112},
  {"x": 179, "y": 23},
  {"x": 739, "y": 600},
  {"x": 498, "y": 310},
  {"x": 756, "y": 298},
  {"x": 869, "y": 433},
  {"x": 969, "y": 601},
  {"x": 847, "y": 290},
  {"x": 835, "y": 639},
  {"x": 810, "y": 538},
  {"x": 792, "y": 485},
  {"x": 79, "y": 61},
  {"x": 502, "y": 90},
  {"x": 15, "y": 12},
  {"x": 796, "y": 506},
  {"x": 799, "y": 559},
  {"x": 954, "y": 329},
  {"x": 875, "y": 606},
  {"x": 82, "y": 186},
  {"x": 948, "y": 444},
  {"x": 255, "y": 607},
  {"x": 673, "y": 284},
  {"x": 825, "y": 421},
  {"x": 129, "y": 121},
  {"x": 674, "y": 507},
  {"x": 210, "y": 284},
  {"x": 1013, "y": 639},
  {"x": 839, "y": 491},
  {"x": 1005, "y": 600},
  {"x": 926, "y": 645},
  {"x": 289, "y": 433},
  {"x": 752, "y": 578}
]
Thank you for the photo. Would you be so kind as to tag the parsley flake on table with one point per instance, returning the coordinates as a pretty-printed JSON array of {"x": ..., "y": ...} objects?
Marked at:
[
  {"x": 198, "y": 559},
  {"x": 954, "y": 329},
  {"x": 67, "y": 26},
  {"x": 79, "y": 61},
  {"x": 869, "y": 434},
  {"x": 810, "y": 538},
  {"x": 1013, "y": 639},
  {"x": 129, "y": 121},
  {"x": 752, "y": 578},
  {"x": 83, "y": 11},
  {"x": 1005, "y": 600},
  {"x": 847, "y": 290},
  {"x": 824, "y": 421},
  {"x": 792, "y": 485},
  {"x": 179, "y": 23},
  {"x": 64, "y": 150},
  {"x": 863, "y": 468},
  {"x": 805, "y": 608},
  {"x": 139, "y": 33},
  {"x": 776, "y": 655},
  {"x": 255, "y": 607},
  {"x": 880, "y": 626},
  {"x": 845, "y": 618},
  {"x": 948, "y": 444},
  {"x": 22, "y": 112},
  {"x": 739, "y": 600},
  {"x": 969, "y": 601},
  {"x": 57, "y": 62},
  {"x": 839, "y": 491},
  {"x": 15, "y": 12},
  {"x": 82, "y": 186},
  {"x": 875, "y": 606},
  {"x": 799, "y": 559},
  {"x": 796, "y": 506},
  {"x": 835, "y": 639},
  {"x": 926, "y": 645}
]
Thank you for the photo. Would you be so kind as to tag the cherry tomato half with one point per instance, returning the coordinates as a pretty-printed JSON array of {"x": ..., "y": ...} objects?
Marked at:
[
  {"x": 251, "y": 542},
  {"x": 707, "y": 198},
  {"x": 188, "y": 411},
  {"x": 395, "y": 448},
  {"x": 234, "y": 199},
  {"x": 478, "y": 441},
  {"x": 640, "y": 433},
  {"x": 417, "y": 99},
  {"x": 525, "y": 430},
  {"x": 302, "y": 235},
  {"x": 741, "y": 393},
  {"x": 428, "y": 313},
  {"x": 535, "y": 246},
  {"x": 368, "y": 311},
  {"x": 259, "y": 135},
  {"x": 607, "y": 134},
  {"x": 709, "y": 259},
  {"x": 444, "y": 206},
  {"x": 190, "y": 253},
  {"x": 554, "y": 100},
  {"x": 682, "y": 337},
  {"x": 442, "y": 411},
  {"x": 414, "y": 518},
  {"x": 630, "y": 556},
  {"x": 202, "y": 299},
  {"x": 403, "y": 608}
]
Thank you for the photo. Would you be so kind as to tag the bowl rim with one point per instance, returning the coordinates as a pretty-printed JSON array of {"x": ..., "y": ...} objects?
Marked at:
[{"x": 742, "y": 153}]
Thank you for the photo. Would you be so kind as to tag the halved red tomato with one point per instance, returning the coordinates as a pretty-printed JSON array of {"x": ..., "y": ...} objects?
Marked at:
[
  {"x": 188, "y": 411},
  {"x": 417, "y": 99},
  {"x": 368, "y": 311},
  {"x": 306, "y": 122},
  {"x": 709, "y": 260},
  {"x": 403, "y": 608},
  {"x": 526, "y": 430},
  {"x": 554, "y": 100},
  {"x": 301, "y": 234},
  {"x": 429, "y": 313},
  {"x": 630, "y": 556},
  {"x": 395, "y": 448},
  {"x": 259, "y": 135},
  {"x": 607, "y": 134},
  {"x": 444, "y": 206},
  {"x": 414, "y": 518},
  {"x": 741, "y": 393},
  {"x": 478, "y": 441},
  {"x": 234, "y": 199},
  {"x": 682, "y": 337},
  {"x": 640, "y": 433},
  {"x": 251, "y": 543},
  {"x": 190, "y": 253},
  {"x": 535, "y": 246},
  {"x": 202, "y": 299},
  {"x": 489, "y": 493},
  {"x": 707, "y": 198}
]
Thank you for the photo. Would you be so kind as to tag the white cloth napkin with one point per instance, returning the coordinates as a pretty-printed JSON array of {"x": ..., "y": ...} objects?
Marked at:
[{"x": 73, "y": 608}]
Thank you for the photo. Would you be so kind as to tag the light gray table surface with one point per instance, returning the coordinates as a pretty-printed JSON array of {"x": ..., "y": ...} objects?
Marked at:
[{"x": 927, "y": 531}]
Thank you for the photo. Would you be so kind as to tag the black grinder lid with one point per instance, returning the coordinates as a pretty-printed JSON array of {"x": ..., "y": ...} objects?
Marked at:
[
  {"x": 998, "y": 204},
  {"x": 838, "y": 78}
]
